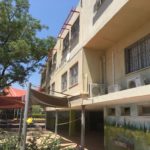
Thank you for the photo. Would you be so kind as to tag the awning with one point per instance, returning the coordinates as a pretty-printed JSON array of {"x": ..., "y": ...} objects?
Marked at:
[
  {"x": 39, "y": 98},
  {"x": 10, "y": 102},
  {"x": 12, "y": 99},
  {"x": 11, "y": 91}
]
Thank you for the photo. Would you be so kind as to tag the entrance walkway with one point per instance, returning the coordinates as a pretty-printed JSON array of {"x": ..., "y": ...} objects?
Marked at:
[{"x": 93, "y": 140}]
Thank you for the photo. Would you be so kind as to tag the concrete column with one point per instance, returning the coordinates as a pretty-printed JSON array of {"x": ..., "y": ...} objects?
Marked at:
[
  {"x": 56, "y": 122},
  {"x": 72, "y": 116},
  {"x": 83, "y": 127}
]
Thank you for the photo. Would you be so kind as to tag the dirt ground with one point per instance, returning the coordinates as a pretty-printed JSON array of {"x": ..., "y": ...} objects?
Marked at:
[{"x": 93, "y": 140}]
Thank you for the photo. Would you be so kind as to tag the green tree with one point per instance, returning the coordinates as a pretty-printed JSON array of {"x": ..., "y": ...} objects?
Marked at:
[{"x": 21, "y": 51}]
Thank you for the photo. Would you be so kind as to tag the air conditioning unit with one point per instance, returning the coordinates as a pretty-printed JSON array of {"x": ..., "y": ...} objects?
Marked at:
[
  {"x": 135, "y": 81},
  {"x": 96, "y": 89},
  {"x": 114, "y": 88}
]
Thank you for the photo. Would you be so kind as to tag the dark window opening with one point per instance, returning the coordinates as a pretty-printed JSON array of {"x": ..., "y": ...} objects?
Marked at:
[
  {"x": 98, "y": 5},
  {"x": 111, "y": 111},
  {"x": 65, "y": 48},
  {"x": 125, "y": 111},
  {"x": 137, "y": 56},
  {"x": 74, "y": 75},
  {"x": 144, "y": 110},
  {"x": 64, "y": 82},
  {"x": 75, "y": 33},
  {"x": 53, "y": 89},
  {"x": 54, "y": 62}
]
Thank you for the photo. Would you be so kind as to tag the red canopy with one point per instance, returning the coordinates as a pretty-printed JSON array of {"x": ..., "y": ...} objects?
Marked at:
[{"x": 13, "y": 99}]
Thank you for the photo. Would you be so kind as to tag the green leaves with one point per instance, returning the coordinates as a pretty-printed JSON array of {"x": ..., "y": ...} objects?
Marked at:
[{"x": 21, "y": 51}]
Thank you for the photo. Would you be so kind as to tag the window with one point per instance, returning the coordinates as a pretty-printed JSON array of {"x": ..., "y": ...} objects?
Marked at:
[
  {"x": 64, "y": 82},
  {"x": 98, "y": 4},
  {"x": 74, "y": 75},
  {"x": 125, "y": 111},
  {"x": 49, "y": 67},
  {"x": 53, "y": 89},
  {"x": 137, "y": 56},
  {"x": 75, "y": 33},
  {"x": 111, "y": 111},
  {"x": 54, "y": 61},
  {"x": 65, "y": 47},
  {"x": 144, "y": 110}
]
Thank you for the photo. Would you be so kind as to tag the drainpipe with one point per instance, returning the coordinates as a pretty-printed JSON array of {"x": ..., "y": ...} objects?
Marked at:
[
  {"x": 113, "y": 68},
  {"x": 21, "y": 119},
  {"x": 82, "y": 127}
]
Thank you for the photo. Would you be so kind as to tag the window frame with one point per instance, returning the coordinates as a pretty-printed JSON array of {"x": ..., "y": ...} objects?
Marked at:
[
  {"x": 54, "y": 62},
  {"x": 66, "y": 76},
  {"x": 98, "y": 5},
  {"x": 140, "y": 51},
  {"x": 142, "y": 108},
  {"x": 111, "y": 111},
  {"x": 66, "y": 44},
  {"x": 53, "y": 88},
  {"x": 124, "y": 111},
  {"x": 73, "y": 80},
  {"x": 75, "y": 31}
]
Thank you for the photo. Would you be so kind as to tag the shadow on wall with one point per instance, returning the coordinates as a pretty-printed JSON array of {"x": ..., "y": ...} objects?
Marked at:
[{"x": 99, "y": 8}]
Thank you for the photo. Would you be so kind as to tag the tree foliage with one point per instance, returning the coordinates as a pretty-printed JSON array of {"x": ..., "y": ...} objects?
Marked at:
[{"x": 21, "y": 51}]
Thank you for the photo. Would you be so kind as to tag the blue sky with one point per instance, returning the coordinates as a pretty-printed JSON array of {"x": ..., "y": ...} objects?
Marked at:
[{"x": 53, "y": 14}]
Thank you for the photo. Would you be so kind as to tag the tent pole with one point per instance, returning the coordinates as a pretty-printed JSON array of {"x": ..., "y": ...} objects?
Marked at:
[
  {"x": 56, "y": 121},
  {"x": 24, "y": 130},
  {"x": 82, "y": 127},
  {"x": 45, "y": 121},
  {"x": 21, "y": 119},
  {"x": 70, "y": 119}
]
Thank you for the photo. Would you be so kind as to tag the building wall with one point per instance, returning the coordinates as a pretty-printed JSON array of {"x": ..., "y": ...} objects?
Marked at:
[
  {"x": 114, "y": 72},
  {"x": 119, "y": 58},
  {"x": 129, "y": 132},
  {"x": 90, "y": 23},
  {"x": 56, "y": 77}
]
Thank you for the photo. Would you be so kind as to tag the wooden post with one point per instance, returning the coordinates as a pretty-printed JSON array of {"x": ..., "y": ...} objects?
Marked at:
[
  {"x": 24, "y": 130},
  {"x": 82, "y": 127},
  {"x": 56, "y": 121}
]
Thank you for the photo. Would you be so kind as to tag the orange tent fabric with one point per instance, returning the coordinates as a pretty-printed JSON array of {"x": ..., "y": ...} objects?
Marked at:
[
  {"x": 10, "y": 91},
  {"x": 13, "y": 98}
]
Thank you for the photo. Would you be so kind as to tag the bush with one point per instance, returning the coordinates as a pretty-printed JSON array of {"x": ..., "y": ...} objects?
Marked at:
[{"x": 8, "y": 142}]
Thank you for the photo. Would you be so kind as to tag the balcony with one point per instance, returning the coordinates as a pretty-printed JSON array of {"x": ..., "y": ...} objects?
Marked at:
[
  {"x": 127, "y": 20},
  {"x": 139, "y": 94}
]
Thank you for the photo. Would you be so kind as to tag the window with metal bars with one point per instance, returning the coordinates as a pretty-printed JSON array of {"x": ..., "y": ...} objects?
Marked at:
[
  {"x": 54, "y": 62},
  {"x": 64, "y": 82},
  {"x": 65, "y": 48},
  {"x": 137, "y": 56},
  {"x": 98, "y": 5},
  {"x": 53, "y": 89},
  {"x": 74, "y": 75},
  {"x": 75, "y": 33}
]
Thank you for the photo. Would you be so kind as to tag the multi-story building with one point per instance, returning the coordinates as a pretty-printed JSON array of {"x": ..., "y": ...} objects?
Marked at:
[{"x": 102, "y": 60}]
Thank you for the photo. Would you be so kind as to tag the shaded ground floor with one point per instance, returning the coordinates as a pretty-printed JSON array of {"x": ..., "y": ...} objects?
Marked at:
[
  {"x": 69, "y": 126},
  {"x": 93, "y": 140}
]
